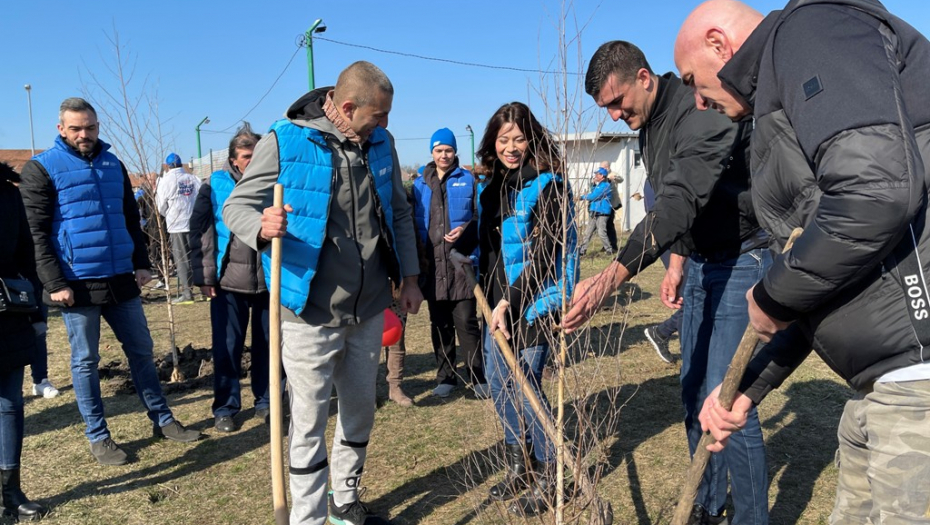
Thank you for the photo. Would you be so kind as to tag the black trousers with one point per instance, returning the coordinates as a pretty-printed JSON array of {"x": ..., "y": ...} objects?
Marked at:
[{"x": 446, "y": 319}]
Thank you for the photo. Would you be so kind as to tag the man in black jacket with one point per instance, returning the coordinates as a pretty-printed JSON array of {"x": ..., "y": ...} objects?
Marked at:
[
  {"x": 697, "y": 164},
  {"x": 91, "y": 259},
  {"x": 840, "y": 147}
]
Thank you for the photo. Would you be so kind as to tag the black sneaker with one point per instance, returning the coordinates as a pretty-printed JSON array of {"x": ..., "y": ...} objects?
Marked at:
[
  {"x": 176, "y": 432},
  {"x": 660, "y": 344},
  {"x": 353, "y": 514},
  {"x": 107, "y": 452}
]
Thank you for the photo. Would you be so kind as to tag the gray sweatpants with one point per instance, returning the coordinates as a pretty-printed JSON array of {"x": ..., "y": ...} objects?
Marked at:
[
  {"x": 181, "y": 250},
  {"x": 316, "y": 359}
]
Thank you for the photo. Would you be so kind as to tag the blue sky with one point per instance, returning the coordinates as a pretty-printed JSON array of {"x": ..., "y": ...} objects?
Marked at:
[{"x": 218, "y": 59}]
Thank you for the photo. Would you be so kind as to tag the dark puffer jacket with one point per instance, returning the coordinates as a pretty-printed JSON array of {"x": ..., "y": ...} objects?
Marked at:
[
  {"x": 842, "y": 125},
  {"x": 17, "y": 258},
  {"x": 242, "y": 268}
]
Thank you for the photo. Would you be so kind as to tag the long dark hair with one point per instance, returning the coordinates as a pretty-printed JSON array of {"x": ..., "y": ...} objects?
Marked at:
[{"x": 542, "y": 151}]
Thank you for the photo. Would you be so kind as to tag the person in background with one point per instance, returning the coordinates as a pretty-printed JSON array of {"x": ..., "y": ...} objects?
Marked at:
[
  {"x": 175, "y": 195},
  {"x": 230, "y": 273},
  {"x": 599, "y": 213},
  {"x": 526, "y": 214},
  {"x": 443, "y": 206},
  {"x": 17, "y": 346}
]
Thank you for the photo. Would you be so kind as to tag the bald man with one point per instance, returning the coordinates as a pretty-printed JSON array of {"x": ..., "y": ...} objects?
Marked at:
[
  {"x": 838, "y": 92},
  {"x": 347, "y": 236}
]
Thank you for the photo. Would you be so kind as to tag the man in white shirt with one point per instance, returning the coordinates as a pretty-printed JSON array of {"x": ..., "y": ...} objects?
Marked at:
[{"x": 175, "y": 196}]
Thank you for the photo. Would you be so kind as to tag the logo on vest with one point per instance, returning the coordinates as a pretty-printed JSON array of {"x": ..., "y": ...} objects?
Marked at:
[
  {"x": 916, "y": 294},
  {"x": 383, "y": 171},
  {"x": 459, "y": 184}
]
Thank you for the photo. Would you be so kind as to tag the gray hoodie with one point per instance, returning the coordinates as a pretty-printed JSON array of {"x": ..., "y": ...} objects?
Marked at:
[{"x": 352, "y": 283}]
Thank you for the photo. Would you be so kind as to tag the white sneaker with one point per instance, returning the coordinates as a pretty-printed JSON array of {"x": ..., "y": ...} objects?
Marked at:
[
  {"x": 45, "y": 389},
  {"x": 443, "y": 390},
  {"x": 482, "y": 391}
]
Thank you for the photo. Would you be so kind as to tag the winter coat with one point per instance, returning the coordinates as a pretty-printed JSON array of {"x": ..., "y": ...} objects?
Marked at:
[
  {"x": 17, "y": 259},
  {"x": 47, "y": 205},
  {"x": 218, "y": 257},
  {"x": 840, "y": 148},
  {"x": 599, "y": 198}
]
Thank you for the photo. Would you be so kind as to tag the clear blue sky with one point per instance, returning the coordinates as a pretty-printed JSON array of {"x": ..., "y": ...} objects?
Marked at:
[{"x": 217, "y": 59}]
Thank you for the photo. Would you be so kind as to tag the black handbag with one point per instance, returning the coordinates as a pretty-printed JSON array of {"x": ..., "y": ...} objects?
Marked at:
[{"x": 17, "y": 296}]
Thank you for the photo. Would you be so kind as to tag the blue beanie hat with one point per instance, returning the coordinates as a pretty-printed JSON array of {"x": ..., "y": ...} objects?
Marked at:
[
  {"x": 443, "y": 136},
  {"x": 173, "y": 161}
]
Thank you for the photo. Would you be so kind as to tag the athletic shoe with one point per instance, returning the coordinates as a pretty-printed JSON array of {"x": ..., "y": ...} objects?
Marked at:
[
  {"x": 354, "y": 513},
  {"x": 45, "y": 389},
  {"x": 184, "y": 299},
  {"x": 443, "y": 390},
  {"x": 107, "y": 452},
  {"x": 660, "y": 344}
]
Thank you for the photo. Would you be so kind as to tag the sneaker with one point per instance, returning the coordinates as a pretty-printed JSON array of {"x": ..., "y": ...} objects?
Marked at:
[
  {"x": 159, "y": 285},
  {"x": 176, "y": 432},
  {"x": 443, "y": 390},
  {"x": 184, "y": 299},
  {"x": 45, "y": 389},
  {"x": 354, "y": 513},
  {"x": 224, "y": 424},
  {"x": 482, "y": 391},
  {"x": 660, "y": 344},
  {"x": 107, "y": 452}
]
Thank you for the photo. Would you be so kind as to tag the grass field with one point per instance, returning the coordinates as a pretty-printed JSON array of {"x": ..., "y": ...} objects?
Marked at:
[{"x": 431, "y": 464}]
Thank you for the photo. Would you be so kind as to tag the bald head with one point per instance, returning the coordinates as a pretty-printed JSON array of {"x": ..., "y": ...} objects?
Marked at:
[{"x": 710, "y": 36}]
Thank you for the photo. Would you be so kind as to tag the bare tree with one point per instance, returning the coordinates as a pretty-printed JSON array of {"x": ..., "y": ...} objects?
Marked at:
[{"x": 129, "y": 108}]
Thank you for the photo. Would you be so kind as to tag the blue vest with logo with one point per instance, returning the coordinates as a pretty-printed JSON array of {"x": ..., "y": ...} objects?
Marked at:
[
  {"x": 307, "y": 176},
  {"x": 517, "y": 239},
  {"x": 460, "y": 194},
  {"x": 221, "y": 185},
  {"x": 88, "y": 226}
]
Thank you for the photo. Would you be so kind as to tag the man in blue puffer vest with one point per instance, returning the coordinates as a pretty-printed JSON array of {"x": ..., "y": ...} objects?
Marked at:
[
  {"x": 443, "y": 205},
  {"x": 347, "y": 238},
  {"x": 599, "y": 212},
  {"x": 92, "y": 261}
]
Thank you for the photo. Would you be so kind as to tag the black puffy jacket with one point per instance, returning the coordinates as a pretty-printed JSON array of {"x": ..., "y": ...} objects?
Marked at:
[{"x": 838, "y": 89}]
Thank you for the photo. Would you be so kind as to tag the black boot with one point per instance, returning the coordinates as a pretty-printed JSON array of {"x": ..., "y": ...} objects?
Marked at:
[
  {"x": 542, "y": 495},
  {"x": 15, "y": 503},
  {"x": 518, "y": 472}
]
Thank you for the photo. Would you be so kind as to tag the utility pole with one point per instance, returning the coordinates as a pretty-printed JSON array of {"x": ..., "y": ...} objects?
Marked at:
[
  {"x": 317, "y": 27},
  {"x": 206, "y": 120},
  {"x": 472, "y": 133},
  {"x": 32, "y": 136}
]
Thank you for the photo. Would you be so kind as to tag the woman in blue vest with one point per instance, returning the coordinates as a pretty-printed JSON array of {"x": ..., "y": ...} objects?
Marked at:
[{"x": 526, "y": 238}]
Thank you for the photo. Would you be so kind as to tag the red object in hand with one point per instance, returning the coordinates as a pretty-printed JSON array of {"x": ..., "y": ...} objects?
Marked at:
[{"x": 393, "y": 329}]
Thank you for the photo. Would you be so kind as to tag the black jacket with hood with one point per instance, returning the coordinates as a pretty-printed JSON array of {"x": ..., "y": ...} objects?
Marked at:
[
  {"x": 838, "y": 89},
  {"x": 697, "y": 162}
]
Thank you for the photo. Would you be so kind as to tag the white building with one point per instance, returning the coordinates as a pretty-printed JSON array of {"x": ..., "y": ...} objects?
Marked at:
[{"x": 585, "y": 151}]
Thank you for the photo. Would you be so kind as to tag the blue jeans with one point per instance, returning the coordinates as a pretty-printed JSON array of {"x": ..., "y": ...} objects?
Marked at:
[
  {"x": 11, "y": 418},
  {"x": 229, "y": 315},
  {"x": 715, "y": 318},
  {"x": 127, "y": 320},
  {"x": 517, "y": 417}
]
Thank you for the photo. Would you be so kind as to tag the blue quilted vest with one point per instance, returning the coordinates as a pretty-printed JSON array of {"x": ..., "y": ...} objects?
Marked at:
[
  {"x": 307, "y": 176},
  {"x": 221, "y": 185},
  {"x": 517, "y": 239},
  {"x": 88, "y": 227},
  {"x": 460, "y": 193}
]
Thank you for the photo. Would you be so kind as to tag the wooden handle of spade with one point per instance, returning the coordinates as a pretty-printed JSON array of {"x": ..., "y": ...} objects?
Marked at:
[{"x": 279, "y": 498}]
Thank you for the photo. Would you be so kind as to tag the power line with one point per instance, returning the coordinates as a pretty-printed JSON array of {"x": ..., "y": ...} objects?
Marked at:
[{"x": 448, "y": 61}]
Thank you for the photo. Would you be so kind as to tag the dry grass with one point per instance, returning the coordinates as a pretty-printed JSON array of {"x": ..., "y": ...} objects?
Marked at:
[{"x": 431, "y": 464}]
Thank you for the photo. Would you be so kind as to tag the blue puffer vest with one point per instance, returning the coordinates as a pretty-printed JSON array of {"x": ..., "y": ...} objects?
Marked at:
[
  {"x": 307, "y": 176},
  {"x": 600, "y": 198},
  {"x": 460, "y": 193},
  {"x": 88, "y": 228},
  {"x": 517, "y": 239},
  {"x": 221, "y": 185}
]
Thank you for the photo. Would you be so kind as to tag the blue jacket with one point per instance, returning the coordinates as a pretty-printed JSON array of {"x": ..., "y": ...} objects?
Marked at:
[
  {"x": 517, "y": 234},
  {"x": 307, "y": 176},
  {"x": 460, "y": 198},
  {"x": 600, "y": 198},
  {"x": 89, "y": 233},
  {"x": 221, "y": 185}
]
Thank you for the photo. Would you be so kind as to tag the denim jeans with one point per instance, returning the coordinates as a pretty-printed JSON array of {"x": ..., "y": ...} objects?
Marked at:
[
  {"x": 127, "y": 320},
  {"x": 517, "y": 417},
  {"x": 715, "y": 318},
  {"x": 229, "y": 315},
  {"x": 11, "y": 418}
]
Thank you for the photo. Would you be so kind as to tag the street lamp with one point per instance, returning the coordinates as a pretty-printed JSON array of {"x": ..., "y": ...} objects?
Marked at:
[
  {"x": 32, "y": 136},
  {"x": 317, "y": 27},
  {"x": 206, "y": 120},
  {"x": 472, "y": 133}
]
